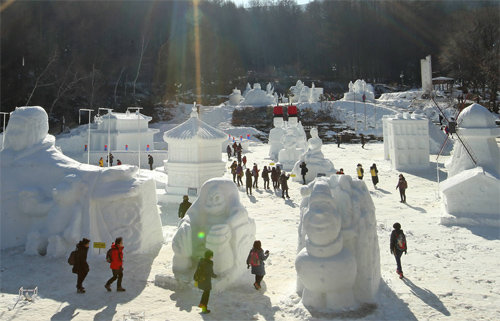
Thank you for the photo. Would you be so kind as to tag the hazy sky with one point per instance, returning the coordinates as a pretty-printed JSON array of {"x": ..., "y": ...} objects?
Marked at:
[{"x": 245, "y": 2}]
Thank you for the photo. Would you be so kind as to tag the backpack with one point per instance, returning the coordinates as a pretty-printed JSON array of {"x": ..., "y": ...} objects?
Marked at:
[
  {"x": 72, "y": 258},
  {"x": 401, "y": 241},
  {"x": 108, "y": 255},
  {"x": 254, "y": 258}
]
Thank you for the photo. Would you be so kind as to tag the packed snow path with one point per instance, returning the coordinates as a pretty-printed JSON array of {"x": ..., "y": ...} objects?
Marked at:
[{"x": 451, "y": 272}]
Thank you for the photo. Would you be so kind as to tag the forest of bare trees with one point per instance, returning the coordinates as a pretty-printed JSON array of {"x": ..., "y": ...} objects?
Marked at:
[{"x": 65, "y": 55}]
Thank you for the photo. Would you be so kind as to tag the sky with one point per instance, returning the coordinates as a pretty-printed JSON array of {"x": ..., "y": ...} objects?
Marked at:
[{"x": 245, "y": 2}]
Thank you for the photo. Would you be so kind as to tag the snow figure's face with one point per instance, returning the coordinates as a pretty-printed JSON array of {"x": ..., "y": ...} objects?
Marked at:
[
  {"x": 215, "y": 202},
  {"x": 314, "y": 133},
  {"x": 321, "y": 225},
  {"x": 27, "y": 126}
]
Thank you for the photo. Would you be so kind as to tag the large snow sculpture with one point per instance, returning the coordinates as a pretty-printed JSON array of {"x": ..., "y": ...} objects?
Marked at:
[
  {"x": 219, "y": 222},
  {"x": 338, "y": 262},
  {"x": 49, "y": 201},
  {"x": 314, "y": 159},
  {"x": 406, "y": 141},
  {"x": 194, "y": 156},
  {"x": 294, "y": 141},
  {"x": 258, "y": 97},
  {"x": 276, "y": 133},
  {"x": 357, "y": 90},
  {"x": 235, "y": 97},
  {"x": 471, "y": 192},
  {"x": 303, "y": 94}
]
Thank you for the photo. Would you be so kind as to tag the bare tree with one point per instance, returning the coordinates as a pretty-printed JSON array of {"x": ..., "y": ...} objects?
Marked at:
[
  {"x": 65, "y": 86},
  {"x": 51, "y": 61},
  {"x": 118, "y": 81},
  {"x": 93, "y": 82},
  {"x": 141, "y": 55}
]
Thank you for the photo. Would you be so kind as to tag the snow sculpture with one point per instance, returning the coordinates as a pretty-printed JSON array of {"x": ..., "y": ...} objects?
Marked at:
[
  {"x": 258, "y": 97},
  {"x": 303, "y": 94},
  {"x": 276, "y": 133},
  {"x": 314, "y": 159},
  {"x": 219, "y": 222},
  {"x": 406, "y": 141},
  {"x": 426, "y": 74},
  {"x": 294, "y": 141},
  {"x": 357, "y": 90},
  {"x": 235, "y": 97},
  {"x": 247, "y": 89},
  {"x": 194, "y": 149},
  {"x": 478, "y": 205},
  {"x": 49, "y": 201},
  {"x": 338, "y": 262}
]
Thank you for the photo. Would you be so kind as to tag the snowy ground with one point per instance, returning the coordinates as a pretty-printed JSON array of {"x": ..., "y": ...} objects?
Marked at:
[{"x": 451, "y": 272}]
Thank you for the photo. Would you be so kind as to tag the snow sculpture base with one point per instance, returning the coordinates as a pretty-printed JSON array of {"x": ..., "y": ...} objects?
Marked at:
[
  {"x": 338, "y": 262},
  {"x": 219, "y": 222},
  {"x": 49, "y": 201}
]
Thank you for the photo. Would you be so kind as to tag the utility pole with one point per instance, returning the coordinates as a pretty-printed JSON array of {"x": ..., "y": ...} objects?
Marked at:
[
  {"x": 137, "y": 113},
  {"x": 3, "y": 132}
]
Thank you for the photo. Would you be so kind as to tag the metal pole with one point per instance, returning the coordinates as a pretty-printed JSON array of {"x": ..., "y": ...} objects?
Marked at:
[
  {"x": 355, "y": 116},
  {"x": 364, "y": 103},
  {"x": 137, "y": 109},
  {"x": 88, "y": 134},
  {"x": 109, "y": 131},
  {"x": 3, "y": 132}
]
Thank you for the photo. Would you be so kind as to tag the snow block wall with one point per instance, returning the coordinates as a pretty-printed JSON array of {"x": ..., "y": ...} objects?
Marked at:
[
  {"x": 338, "y": 260},
  {"x": 471, "y": 191},
  {"x": 406, "y": 141},
  {"x": 315, "y": 160},
  {"x": 217, "y": 221},
  {"x": 49, "y": 201}
]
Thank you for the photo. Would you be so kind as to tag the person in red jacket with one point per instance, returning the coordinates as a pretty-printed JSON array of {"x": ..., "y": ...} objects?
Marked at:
[{"x": 116, "y": 265}]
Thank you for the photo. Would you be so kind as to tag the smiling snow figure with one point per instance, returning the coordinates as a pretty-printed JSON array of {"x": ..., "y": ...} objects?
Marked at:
[
  {"x": 324, "y": 254},
  {"x": 338, "y": 262},
  {"x": 216, "y": 221}
]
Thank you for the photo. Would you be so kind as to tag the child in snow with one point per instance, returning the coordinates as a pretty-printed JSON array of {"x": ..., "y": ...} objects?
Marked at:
[
  {"x": 374, "y": 173},
  {"x": 398, "y": 246},
  {"x": 116, "y": 265},
  {"x": 256, "y": 259},
  {"x": 360, "y": 171},
  {"x": 101, "y": 162},
  {"x": 203, "y": 277},
  {"x": 81, "y": 267},
  {"x": 402, "y": 185}
]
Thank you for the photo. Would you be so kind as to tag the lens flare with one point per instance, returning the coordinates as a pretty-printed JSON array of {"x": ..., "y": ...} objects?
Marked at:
[{"x": 201, "y": 235}]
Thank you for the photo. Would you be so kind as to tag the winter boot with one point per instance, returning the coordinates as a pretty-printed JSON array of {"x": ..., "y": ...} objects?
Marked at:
[
  {"x": 120, "y": 289},
  {"x": 204, "y": 309},
  {"x": 107, "y": 287},
  {"x": 80, "y": 290}
]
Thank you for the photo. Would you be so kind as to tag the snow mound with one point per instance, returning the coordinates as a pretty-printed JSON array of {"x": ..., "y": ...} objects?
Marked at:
[
  {"x": 476, "y": 115},
  {"x": 258, "y": 97},
  {"x": 338, "y": 260},
  {"x": 50, "y": 201}
]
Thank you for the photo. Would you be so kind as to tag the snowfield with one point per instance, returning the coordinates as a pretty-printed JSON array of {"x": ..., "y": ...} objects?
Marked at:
[{"x": 451, "y": 272}]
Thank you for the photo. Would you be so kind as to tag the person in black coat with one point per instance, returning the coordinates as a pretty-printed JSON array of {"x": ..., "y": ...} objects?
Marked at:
[
  {"x": 398, "y": 249},
  {"x": 284, "y": 185},
  {"x": 274, "y": 177},
  {"x": 203, "y": 276},
  {"x": 81, "y": 267},
  {"x": 362, "y": 141},
  {"x": 303, "y": 172},
  {"x": 248, "y": 181},
  {"x": 256, "y": 259},
  {"x": 229, "y": 152},
  {"x": 150, "y": 161},
  {"x": 402, "y": 185},
  {"x": 265, "y": 177}
]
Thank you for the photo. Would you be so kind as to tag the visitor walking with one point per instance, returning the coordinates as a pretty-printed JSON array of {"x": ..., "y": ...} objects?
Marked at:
[
  {"x": 362, "y": 141},
  {"x": 110, "y": 159},
  {"x": 81, "y": 267},
  {"x": 248, "y": 181},
  {"x": 265, "y": 177},
  {"x": 116, "y": 265},
  {"x": 238, "y": 156},
  {"x": 150, "y": 161},
  {"x": 360, "y": 171},
  {"x": 255, "y": 173},
  {"x": 235, "y": 148},
  {"x": 233, "y": 170},
  {"x": 339, "y": 139},
  {"x": 398, "y": 246},
  {"x": 303, "y": 172},
  {"x": 228, "y": 150},
  {"x": 239, "y": 174},
  {"x": 374, "y": 173},
  {"x": 184, "y": 206},
  {"x": 101, "y": 162},
  {"x": 284, "y": 184},
  {"x": 203, "y": 279},
  {"x": 244, "y": 160},
  {"x": 256, "y": 259},
  {"x": 402, "y": 185}
]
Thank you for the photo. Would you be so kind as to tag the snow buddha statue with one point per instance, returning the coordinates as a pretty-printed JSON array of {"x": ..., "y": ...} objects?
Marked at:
[
  {"x": 326, "y": 269},
  {"x": 219, "y": 222}
]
